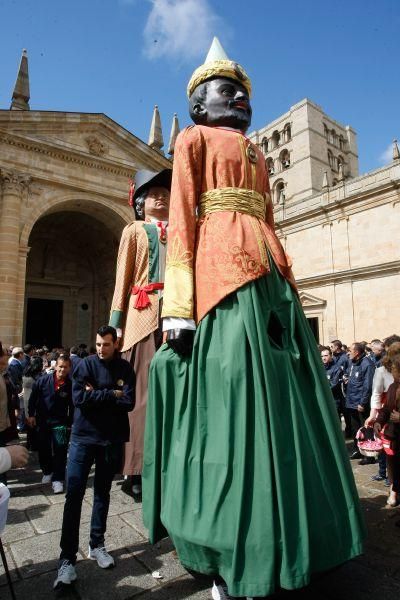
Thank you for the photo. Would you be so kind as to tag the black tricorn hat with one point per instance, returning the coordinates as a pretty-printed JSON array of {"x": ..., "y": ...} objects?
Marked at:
[{"x": 147, "y": 179}]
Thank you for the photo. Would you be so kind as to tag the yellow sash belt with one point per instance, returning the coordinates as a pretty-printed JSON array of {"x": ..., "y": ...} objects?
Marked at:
[{"x": 233, "y": 199}]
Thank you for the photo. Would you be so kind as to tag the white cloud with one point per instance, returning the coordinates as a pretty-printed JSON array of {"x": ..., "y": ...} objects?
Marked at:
[
  {"x": 387, "y": 155},
  {"x": 180, "y": 29}
]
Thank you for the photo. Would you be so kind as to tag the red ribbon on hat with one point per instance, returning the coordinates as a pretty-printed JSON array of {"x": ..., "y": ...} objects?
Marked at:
[
  {"x": 131, "y": 191},
  {"x": 143, "y": 300}
]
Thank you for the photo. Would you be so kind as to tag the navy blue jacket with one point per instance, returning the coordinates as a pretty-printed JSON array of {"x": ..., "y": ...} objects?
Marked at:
[
  {"x": 100, "y": 417},
  {"x": 377, "y": 362},
  {"x": 15, "y": 370},
  {"x": 342, "y": 360},
  {"x": 48, "y": 405},
  {"x": 75, "y": 360},
  {"x": 334, "y": 375},
  {"x": 359, "y": 386}
]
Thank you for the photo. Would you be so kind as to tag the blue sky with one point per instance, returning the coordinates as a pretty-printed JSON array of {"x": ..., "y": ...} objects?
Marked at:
[{"x": 121, "y": 57}]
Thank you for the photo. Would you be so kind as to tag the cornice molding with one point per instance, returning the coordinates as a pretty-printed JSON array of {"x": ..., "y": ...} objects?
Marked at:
[
  {"x": 71, "y": 156},
  {"x": 24, "y": 123},
  {"x": 349, "y": 275},
  {"x": 339, "y": 209}
]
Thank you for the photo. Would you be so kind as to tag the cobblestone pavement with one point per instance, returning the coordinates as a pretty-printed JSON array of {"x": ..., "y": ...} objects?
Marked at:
[{"x": 32, "y": 537}]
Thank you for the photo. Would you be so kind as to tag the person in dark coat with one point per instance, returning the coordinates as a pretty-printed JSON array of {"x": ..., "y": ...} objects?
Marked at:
[
  {"x": 75, "y": 358},
  {"x": 103, "y": 395},
  {"x": 50, "y": 411},
  {"x": 358, "y": 393},
  {"x": 334, "y": 374}
]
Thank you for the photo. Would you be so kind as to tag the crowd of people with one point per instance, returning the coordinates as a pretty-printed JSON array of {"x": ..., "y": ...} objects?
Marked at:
[
  {"x": 36, "y": 397},
  {"x": 74, "y": 406},
  {"x": 364, "y": 380}
]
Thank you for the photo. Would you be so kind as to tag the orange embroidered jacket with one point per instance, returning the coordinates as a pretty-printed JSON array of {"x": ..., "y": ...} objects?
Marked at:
[
  {"x": 137, "y": 267},
  {"x": 210, "y": 257}
]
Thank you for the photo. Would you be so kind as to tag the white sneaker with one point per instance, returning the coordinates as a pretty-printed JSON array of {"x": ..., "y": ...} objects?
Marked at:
[
  {"x": 47, "y": 478},
  {"x": 58, "y": 487},
  {"x": 220, "y": 592},
  {"x": 104, "y": 560},
  {"x": 66, "y": 574}
]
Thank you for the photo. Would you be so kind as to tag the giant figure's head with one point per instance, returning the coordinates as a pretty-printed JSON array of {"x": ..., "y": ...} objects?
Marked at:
[
  {"x": 152, "y": 194},
  {"x": 219, "y": 92}
]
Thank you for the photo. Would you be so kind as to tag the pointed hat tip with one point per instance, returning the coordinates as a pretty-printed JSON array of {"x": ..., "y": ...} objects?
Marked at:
[{"x": 216, "y": 51}]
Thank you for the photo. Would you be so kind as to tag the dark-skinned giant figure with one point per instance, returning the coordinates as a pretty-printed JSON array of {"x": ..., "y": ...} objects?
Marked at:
[{"x": 245, "y": 463}]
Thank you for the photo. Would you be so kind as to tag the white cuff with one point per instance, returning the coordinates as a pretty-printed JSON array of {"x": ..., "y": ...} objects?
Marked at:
[
  {"x": 376, "y": 404},
  {"x": 119, "y": 332},
  {"x": 178, "y": 323}
]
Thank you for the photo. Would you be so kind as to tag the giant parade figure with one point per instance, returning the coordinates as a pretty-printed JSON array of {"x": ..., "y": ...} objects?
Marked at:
[
  {"x": 245, "y": 465},
  {"x": 135, "y": 308}
]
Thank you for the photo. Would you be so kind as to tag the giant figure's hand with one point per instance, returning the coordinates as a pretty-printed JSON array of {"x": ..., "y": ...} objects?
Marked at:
[{"x": 181, "y": 341}]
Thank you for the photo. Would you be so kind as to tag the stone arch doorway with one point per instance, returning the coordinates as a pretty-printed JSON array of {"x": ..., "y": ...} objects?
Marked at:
[{"x": 70, "y": 276}]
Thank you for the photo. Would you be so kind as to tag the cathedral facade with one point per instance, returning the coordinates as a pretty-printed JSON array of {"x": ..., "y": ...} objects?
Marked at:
[
  {"x": 64, "y": 201},
  {"x": 64, "y": 180},
  {"x": 338, "y": 227}
]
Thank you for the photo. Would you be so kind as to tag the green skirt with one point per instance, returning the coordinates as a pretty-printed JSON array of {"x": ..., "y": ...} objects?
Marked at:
[{"x": 245, "y": 465}]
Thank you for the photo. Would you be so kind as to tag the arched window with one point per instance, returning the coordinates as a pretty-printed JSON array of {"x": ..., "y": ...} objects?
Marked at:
[
  {"x": 276, "y": 139},
  {"x": 284, "y": 157},
  {"x": 341, "y": 142},
  {"x": 331, "y": 160},
  {"x": 264, "y": 145},
  {"x": 279, "y": 192},
  {"x": 326, "y": 132},
  {"x": 287, "y": 132},
  {"x": 334, "y": 138},
  {"x": 270, "y": 166}
]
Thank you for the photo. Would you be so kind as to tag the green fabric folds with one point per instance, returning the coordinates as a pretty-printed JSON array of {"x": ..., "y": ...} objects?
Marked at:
[
  {"x": 245, "y": 463},
  {"x": 152, "y": 235}
]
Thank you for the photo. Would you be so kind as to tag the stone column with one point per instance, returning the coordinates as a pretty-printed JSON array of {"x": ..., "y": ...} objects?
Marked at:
[{"x": 13, "y": 187}]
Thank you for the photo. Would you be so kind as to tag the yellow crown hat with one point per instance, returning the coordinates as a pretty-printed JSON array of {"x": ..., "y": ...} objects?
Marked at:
[{"x": 217, "y": 64}]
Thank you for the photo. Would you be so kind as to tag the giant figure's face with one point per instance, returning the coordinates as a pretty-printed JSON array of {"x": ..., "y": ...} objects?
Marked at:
[
  {"x": 157, "y": 203},
  {"x": 221, "y": 102}
]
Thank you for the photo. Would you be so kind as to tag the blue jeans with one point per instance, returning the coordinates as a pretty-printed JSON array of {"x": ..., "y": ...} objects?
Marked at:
[{"x": 80, "y": 460}]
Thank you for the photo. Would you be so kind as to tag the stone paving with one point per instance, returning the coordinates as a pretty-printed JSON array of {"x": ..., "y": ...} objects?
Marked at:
[{"x": 32, "y": 537}]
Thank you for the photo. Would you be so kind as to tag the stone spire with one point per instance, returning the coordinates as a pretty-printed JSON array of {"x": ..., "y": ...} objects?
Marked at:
[
  {"x": 341, "y": 172},
  {"x": 325, "y": 182},
  {"x": 21, "y": 95},
  {"x": 156, "y": 137},
  {"x": 174, "y": 134},
  {"x": 396, "y": 153}
]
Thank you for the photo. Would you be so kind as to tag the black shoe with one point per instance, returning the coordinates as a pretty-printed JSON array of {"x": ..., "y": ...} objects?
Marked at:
[
  {"x": 355, "y": 455},
  {"x": 126, "y": 486},
  {"x": 377, "y": 478},
  {"x": 367, "y": 460},
  {"x": 137, "y": 492}
]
